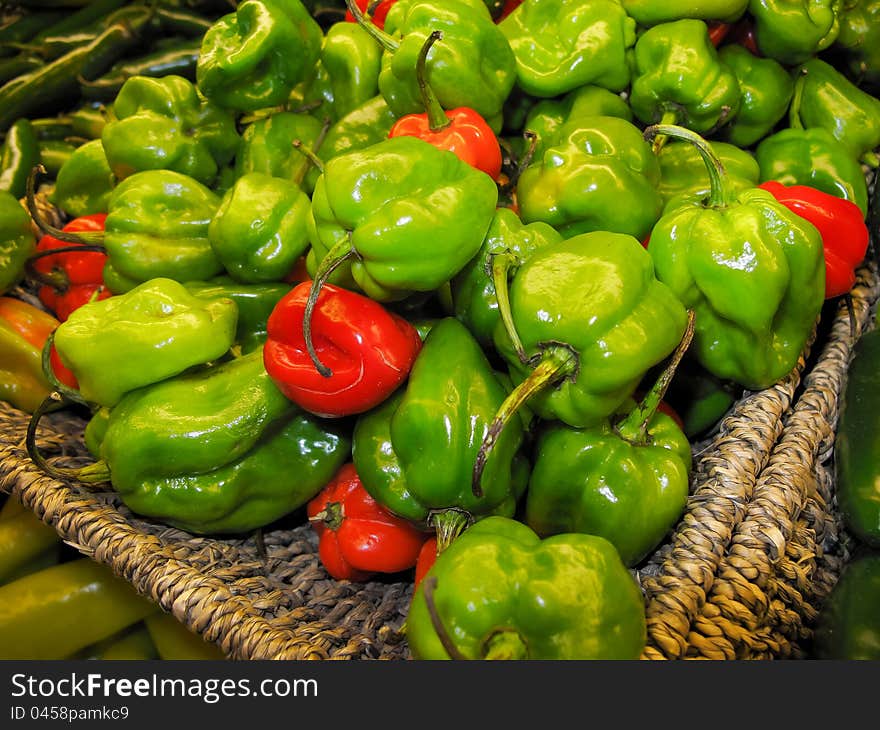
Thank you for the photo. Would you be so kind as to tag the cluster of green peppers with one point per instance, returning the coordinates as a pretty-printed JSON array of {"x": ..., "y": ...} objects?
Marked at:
[{"x": 625, "y": 258}]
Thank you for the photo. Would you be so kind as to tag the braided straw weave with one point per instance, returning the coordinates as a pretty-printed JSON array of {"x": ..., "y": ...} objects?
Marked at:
[{"x": 758, "y": 548}]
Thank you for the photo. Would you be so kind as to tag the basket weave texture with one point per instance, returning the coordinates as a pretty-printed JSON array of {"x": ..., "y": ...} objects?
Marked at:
[{"x": 758, "y": 548}]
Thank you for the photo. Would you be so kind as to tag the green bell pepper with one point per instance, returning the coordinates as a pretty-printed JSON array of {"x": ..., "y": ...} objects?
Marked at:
[
  {"x": 218, "y": 450},
  {"x": 260, "y": 228},
  {"x": 699, "y": 398},
  {"x": 415, "y": 452},
  {"x": 828, "y": 99},
  {"x": 654, "y": 12},
  {"x": 253, "y": 58},
  {"x": 163, "y": 124},
  {"x": 579, "y": 182},
  {"x": 472, "y": 66},
  {"x": 155, "y": 331},
  {"x": 379, "y": 206},
  {"x": 157, "y": 226},
  {"x": 791, "y": 31},
  {"x": 753, "y": 271},
  {"x": 678, "y": 78},
  {"x": 857, "y": 447},
  {"x": 17, "y": 240},
  {"x": 18, "y": 156},
  {"x": 815, "y": 158},
  {"x": 859, "y": 42},
  {"x": 545, "y": 118},
  {"x": 85, "y": 182},
  {"x": 767, "y": 90},
  {"x": 500, "y": 592},
  {"x": 560, "y": 45},
  {"x": 475, "y": 289}
]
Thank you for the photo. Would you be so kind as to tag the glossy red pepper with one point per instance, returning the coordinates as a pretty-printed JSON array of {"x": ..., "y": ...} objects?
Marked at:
[
  {"x": 461, "y": 131},
  {"x": 73, "y": 278},
  {"x": 841, "y": 224},
  {"x": 377, "y": 17},
  {"x": 427, "y": 557},
  {"x": 743, "y": 33},
  {"x": 718, "y": 31},
  {"x": 357, "y": 536},
  {"x": 35, "y": 326},
  {"x": 509, "y": 7},
  {"x": 367, "y": 350}
]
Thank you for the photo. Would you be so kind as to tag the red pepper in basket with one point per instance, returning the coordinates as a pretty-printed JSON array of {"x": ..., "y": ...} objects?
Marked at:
[
  {"x": 72, "y": 278},
  {"x": 357, "y": 536},
  {"x": 366, "y": 351},
  {"x": 462, "y": 130},
  {"x": 427, "y": 557},
  {"x": 34, "y": 326},
  {"x": 841, "y": 224}
]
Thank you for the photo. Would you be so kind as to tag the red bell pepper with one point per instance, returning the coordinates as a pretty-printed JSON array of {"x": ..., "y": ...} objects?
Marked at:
[
  {"x": 509, "y": 7},
  {"x": 377, "y": 16},
  {"x": 357, "y": 536},
  {"x": 427, "y": 557},
  {"x": 369, "y": 350},
  {"x": 72, "y": 278},
  {"x": 718, "y": 31},
  {"x": 462, "y": 130},
  {"x": 841, "y": 224},
  {"x": 35, "y": 326}
]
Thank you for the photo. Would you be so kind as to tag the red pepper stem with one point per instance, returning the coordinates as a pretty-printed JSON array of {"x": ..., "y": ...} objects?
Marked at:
[
  {"x": 505, "y": 644},
  {"x": 384, "y": 39},
  {"x": 428, "y": 586},
  {"x": 92, "y": 474},
  {"x": 501, "y": 263},
  {"x": 336, "y": 256},
  {"x": 91, "y": 238},
  {"x": 437, "y": 119},
  {"x": 719, "y": 190},
  {"x": 449, "y": 523},
  {"x": 558, "y": 361},
  {"x": 634, "y": 428},
  {"x": 70, "y": 394},
  {"x": 332, "y": 516}
]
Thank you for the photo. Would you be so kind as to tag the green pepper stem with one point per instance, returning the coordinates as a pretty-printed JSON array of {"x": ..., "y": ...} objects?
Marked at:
[
  {"x": 332, "y": 516},
  {"x": 449, "y": 523},
  {"x": 634, "y": 428},
  {"x": 384, "y": 39},
  {"x": 523, "y": 162},
  {"x": 91, "y": 238},
  {"x": 429, "y": 585},
  {"x": 437, "y": 119},
  {"x": 557, "y": 362},
  {"x": 95, "y": 473},
  {"x": 70, "y": 394},
  {"x": 719, "y": 193},
  {"x": 505, "y": 644},
  {"x": 56, "y": 278},
  {"x": 500, "y": 269},
  {"x": 871, "y": 159},
  {"x": 336, "y": 256},
  {"x": 794, "y": 107},
  {"x": 309, "y": 155},
  {"x": 260, "y": 544},
  {"x": 670, "y": 116}
]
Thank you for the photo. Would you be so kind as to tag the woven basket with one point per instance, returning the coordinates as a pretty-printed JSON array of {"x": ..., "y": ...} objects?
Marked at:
[{"x": 742, "y": 576}]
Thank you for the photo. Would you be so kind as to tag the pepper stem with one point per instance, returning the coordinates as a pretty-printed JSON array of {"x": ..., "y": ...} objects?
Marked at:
[
  {"x": 719, "y": 194},
  {"x": 557, "y": 362},
  {"x": 794, "y": 107},
  {"x": 310, "y": 156},
  {"x": 429, "y": 585},
  {"x": 384, "y": 39},
  {"x": 91, "y": 238},
  {"x": 505, "y": 644},
  {"x": 332, "y": 516},
  {"x": 437, "y": 119},
  {"x": 523, "y": 162},
  {"x": 500, "y": 268},
  {"x": 670, "y": 116},
  {"x": 65, "y": 391},
  {"x": 634, "y": 428},
  {"x": 336, "y": 256},
  {"x": 56, "y": 278},
  {"x": 92, "y": 474},
  {"x": 449, "y": 523}
]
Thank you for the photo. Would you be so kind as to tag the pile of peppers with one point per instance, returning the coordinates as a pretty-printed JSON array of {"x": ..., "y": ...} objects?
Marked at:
[{"x": 458, "y": 283}]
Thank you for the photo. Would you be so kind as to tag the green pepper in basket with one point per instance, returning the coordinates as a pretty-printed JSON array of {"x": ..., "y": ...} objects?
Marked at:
[
  {"x": 654, "y": 12},
  {"x": 560, "y": 45},
  {"x": 826, "y": 98},
  {"x": 218, "y": 450},
  {"x": 17, "y": 240},
  {"x": 158, "y": 325},
  {"x": 19, "y": 154},
  {"x": 253, "y": 58},
  {"x": 859, "y": 42},
  {"x": 260, "y": 228},
  {"x": 678, "y": 78},
  {"x": 625, "y": 479},
  {"x": 767, "y": 89},
  {"x": 473, "y": 66},
  {"x": 753, "y": 272},
  {"x": 85, "y": 181},
  {"x": 791, "y": 31},
  {"x": 500, "y": 592},
  {"x": 592, "y": 165},
  {"x": 415, "y": 452},
  {"x": 163, "y": 124}
]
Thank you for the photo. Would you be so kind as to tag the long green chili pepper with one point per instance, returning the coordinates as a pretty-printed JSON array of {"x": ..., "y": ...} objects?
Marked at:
[{"x": 18, "y": 156}]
